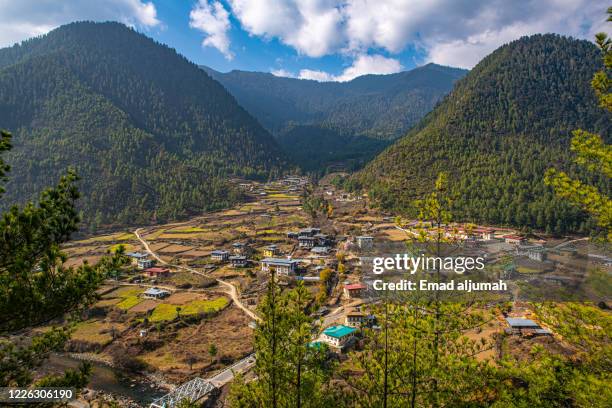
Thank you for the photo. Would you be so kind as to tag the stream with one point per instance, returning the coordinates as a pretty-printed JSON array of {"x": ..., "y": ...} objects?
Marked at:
[{"x": 106, "y": 379}]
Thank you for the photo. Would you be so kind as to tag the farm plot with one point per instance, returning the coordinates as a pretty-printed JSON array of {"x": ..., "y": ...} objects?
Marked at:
[{"x": 167, "y": 311}]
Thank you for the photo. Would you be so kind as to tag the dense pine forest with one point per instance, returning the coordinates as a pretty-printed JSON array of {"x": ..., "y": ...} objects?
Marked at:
[
  {"x": 151, "y": 135},
  {"x": 503, "y": 125},
  {"x": 321, "y": 123}
]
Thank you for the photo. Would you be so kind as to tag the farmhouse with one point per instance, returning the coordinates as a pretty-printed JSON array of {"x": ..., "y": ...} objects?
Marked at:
[
  {"x": 158, "y": 272},
  {"x": 485, "y": 234},
  {"x": 310, "y": 232},
  {"x": 145, "y": 263},
  {"x": 513, "y": 239},
  {"x": 338, "y": 336},
  {"x": 241, "y": 248},
  {"x": 271, "y": 250},
  {"x": 281, "y": 266},
  {"x": 238, "y": 261},
  {"x": 354, "y": 290},
  {"x": 155, "y": 293},
  {"x": 306, "y": 241},
  {"x": 534, "y": 252},
  {"x": 219, "y": 255},
  {"x": 357, "y": 318},
  {"x": 320, "y": 250},
  {"x": 365, "y": 242},
  {"x": 136, "y": 256}
]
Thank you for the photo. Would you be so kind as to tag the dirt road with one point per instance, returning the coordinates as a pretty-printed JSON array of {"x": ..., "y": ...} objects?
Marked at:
[{"x": 230, "y": 289}]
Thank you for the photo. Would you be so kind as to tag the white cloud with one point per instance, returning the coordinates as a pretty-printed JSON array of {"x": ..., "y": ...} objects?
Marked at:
[
  {"x": 315, "y": 75},
  {"x": 22, "y": 19},
  {"x": 362, "y": 65},
  {"x": 282, "y": 73},
  {"x": 575, "y": 18},
  {"x": 312, "y": 27},
  {"x": 213, "y": 20},
  {"x": 452, "y": 32}
]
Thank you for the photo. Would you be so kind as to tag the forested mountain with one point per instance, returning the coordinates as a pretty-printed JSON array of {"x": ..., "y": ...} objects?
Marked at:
[
  {"x": 358, "y": 115},
  {"x": 151, "y": 135},
  {"x": 497, "y": 132}
]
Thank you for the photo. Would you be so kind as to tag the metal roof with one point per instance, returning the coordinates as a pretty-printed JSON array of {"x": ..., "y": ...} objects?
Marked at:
[
  {"x": 520, "y": 322},
  {"x": 339, "y": 331},
  {"x": 279, "y": 261},
  {"x": 352, "y": 286},
  {"x": 155, "y": 291},
  {"x": 136, "y": 255}
]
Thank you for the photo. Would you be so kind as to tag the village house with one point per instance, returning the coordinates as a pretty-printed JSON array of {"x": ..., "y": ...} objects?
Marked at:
[
  {"x": 241, "y": 248},
  {"x": 354, "y": 290},
  {"x": 219, "y": 255},
  {"x": 145, "y": 263},
  {"x": 356, "y": 318},
  {"x": 338, "y": 336},
  {"x": 513, "y": 239},
  {"x": 271, "y": 250},
  {"x": 485, "y": 234},
  {"x": 310, "y": 232},
  {"x": 238, "y": 261},
  {"x": 293, "y": 234},
  {"x": 155, "y": 293},
  {"x": 282, "y": 266},
  {"x": 320, "y": 250},
  {"x": 533, "y": 252},
  {"x": 365, "y": 242},
  {"x": 157, "y": 272},
  {"x": 136, "y": 256},
  {"x": 305, "y": 241}
]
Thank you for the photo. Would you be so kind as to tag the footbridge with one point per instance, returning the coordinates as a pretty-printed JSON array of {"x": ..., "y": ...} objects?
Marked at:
[{"x": 197, "y": 388}]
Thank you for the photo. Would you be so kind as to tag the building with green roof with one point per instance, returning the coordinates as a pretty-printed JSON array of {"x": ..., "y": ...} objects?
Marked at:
[{"x": 338, "y": 336}]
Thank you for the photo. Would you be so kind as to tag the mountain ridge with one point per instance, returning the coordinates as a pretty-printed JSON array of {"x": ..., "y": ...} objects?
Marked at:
[
  {"x": 496, "y": 133},
  {"x": 170, "y": 138},
  {"x": 370, "y": 109}
]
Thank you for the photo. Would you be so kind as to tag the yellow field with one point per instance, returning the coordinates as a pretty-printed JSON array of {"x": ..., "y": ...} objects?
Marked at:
[{"x": 129, "y": 302}]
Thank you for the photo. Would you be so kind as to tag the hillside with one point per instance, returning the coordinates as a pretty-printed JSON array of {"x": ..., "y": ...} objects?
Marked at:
[
  {"x": 152, "y": 136},
  {"x": 503, "y": 125},
  {"x": 371, "y": 109}
]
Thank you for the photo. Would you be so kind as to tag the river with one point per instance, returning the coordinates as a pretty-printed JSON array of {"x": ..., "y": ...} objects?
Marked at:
[{"x": 106, "y": 379}]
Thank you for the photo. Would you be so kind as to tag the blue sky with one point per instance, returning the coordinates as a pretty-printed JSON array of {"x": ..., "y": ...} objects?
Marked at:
[
  {"x": 329, "y": 40},
  {"x": 251, "y": 53}
]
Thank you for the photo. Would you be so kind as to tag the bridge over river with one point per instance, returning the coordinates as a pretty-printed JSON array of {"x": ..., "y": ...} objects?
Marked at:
[{"x": 197, "y": 388}]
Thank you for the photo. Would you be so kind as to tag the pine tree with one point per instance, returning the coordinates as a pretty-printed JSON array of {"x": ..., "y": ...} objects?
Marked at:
[
  {"x": 591, "y": 151},
  {"x": 35, "y": 286}
]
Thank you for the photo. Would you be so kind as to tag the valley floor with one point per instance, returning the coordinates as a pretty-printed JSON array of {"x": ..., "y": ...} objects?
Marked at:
[{"x": 206, "y": 320}]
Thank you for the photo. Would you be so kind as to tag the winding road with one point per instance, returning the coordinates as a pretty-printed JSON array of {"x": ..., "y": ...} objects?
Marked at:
[{"x": 230, "y": 289}]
